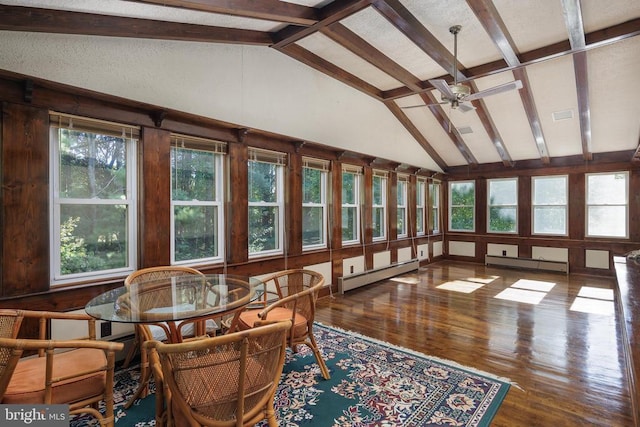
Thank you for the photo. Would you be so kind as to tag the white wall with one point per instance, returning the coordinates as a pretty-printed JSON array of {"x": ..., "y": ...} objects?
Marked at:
[{"x": 251, "y": 86}]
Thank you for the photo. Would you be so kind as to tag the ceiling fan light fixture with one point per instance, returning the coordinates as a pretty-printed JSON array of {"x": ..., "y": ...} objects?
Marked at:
[{"x": 461, "y": 91}]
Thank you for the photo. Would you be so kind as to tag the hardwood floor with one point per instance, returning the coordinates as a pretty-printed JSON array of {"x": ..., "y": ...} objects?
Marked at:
[{"x": 567, "y": 364}]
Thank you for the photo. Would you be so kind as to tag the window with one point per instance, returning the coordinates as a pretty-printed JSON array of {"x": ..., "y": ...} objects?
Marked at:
[
  {"x": 351, "y": 177},
  {"x": 421, "y": 187},
  {"x": 379, "y": 206},
  {"x": 314, "y": 203},
  {"x": 266, "y": 202},
  {"x": 197, "y": 214},
  {"x": 549, "y": 204},
  {"x": 434, "y": 199},
  {"x": 462, "y": 200},
  {"x": 92, "y": 199},
  {"x": 402, "y": 206},
  {"x": 607, "y": 204},
  {"x": 503, "y": 205}
]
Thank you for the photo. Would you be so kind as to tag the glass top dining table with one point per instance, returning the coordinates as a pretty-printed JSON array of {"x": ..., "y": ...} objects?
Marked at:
[{"x": 175, "y": 299}]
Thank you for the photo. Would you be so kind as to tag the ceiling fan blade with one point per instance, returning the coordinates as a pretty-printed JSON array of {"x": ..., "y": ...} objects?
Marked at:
[
  {"x": 423, "y": 105},
  {"x": 443, "y": 87},
  {"x": 495, "y": 90},
  {"x": 466, "y": 107}
]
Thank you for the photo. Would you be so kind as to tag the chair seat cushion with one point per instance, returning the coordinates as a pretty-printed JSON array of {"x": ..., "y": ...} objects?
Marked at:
[
  {"x": 249, "y": 317},
  {"x": 28, "y": 381}
]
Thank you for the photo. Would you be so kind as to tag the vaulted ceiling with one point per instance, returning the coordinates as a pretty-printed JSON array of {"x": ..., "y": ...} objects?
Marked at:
[{"x": 578, "y": 63}]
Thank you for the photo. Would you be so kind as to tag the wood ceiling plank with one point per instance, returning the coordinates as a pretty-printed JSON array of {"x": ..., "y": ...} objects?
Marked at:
[
  {"x": 18, "y": 18},
  {"x": 451, "y": 131},
  {"x": 303, "y": 55},
  {"x": 348, "y": 39},
  {"x": 409, "y": 25},
  {"x": 417, "y": 135},
  {"x": 330, "y": 14},
  {"x": 269, "y": 10}
]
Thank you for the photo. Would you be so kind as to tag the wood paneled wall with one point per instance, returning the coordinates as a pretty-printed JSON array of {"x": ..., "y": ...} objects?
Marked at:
[
  {"x": 24, "y": 222},
  {"x": 576, "y": 241}
]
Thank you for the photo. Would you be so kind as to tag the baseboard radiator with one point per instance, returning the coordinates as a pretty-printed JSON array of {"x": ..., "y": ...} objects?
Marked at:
[
  {"x": 353, "y": 281},
  {"x": 527, "y": 263}
]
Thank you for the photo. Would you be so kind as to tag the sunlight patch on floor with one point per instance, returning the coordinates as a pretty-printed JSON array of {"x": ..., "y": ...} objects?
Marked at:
[
  {"x": 594, "y": 300},
  {"x": 533, "y": 285},
  {"x": 485, "y": 280},
  {"x": 460, "y": 286},
  {"x": 407, "y": 280},
  {"x": 521, "y": 295},
  {"x": 598, "y": 293}
]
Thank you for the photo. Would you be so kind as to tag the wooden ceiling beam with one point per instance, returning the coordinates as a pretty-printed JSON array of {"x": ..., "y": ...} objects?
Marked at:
[
  {"x": 491, "y": 129},
  {"x": 493, "y": 24},
  {"x": 594, "y": 40},
  {"x": 268, "y": 10},
  {"x": 636, "y": 154},
  {"x": 415, "y": 133},
  {"x": 451, "y": 131},
  {"x": 351, "y": 41},
  {"x": 410, "y": 26},
  {"x": 330, "y": 14},
  {"x": 314, "y": 61},
  {"x": 573, "y": 20},
  {"x": 18, "y": 18},
  {"x": 491, "y": 21},
  {"x": 532, "y": 114}
]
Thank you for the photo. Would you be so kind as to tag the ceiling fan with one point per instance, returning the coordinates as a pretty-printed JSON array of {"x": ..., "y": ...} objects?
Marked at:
[{"x": 458, "y": 95}]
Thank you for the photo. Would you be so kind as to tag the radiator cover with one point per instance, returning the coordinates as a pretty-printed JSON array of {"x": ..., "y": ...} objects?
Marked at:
[{"x": 353, "y": 281}]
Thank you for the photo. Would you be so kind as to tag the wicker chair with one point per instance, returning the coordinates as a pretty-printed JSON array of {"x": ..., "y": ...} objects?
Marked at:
[
  {"x": 76, "y": 372},
  {"x": 228, "y": 380},
  {"x": 160, "y": 332},
  {"x": 290, "y": 294}
]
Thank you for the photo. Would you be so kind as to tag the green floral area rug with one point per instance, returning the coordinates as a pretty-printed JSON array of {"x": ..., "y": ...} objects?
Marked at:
[{"x": 372, "y": 383}]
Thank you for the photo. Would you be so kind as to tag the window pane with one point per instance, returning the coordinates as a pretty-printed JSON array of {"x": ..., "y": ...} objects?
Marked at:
[
  {"x": 377, "y": 190},
  {"x": 349, "y": 224},
  {"x": 196, "y": 229},
  {"x": 263, "y": 182},
  {"x": 607, "y": 221},
  {"x": 312, "y": 185},
  {"x": 402, "y": 193},
  {"x": 607, "y": 189},
  {"x": 348, "y": 188},
  {"x": 434, "y": 223},
  {"x": 503, "y": 192},
  {"x": 312, "y": 226},
  {"x": 462, "y": 218},
  {"x": 502, "y": 219},
  {"x": 92, "y": 166},
  {"x": 549, "y": 220},
  {"x": 420, "y": 220},
  {"x": 462, "y": 193},
  {"x": 401, "y": 223},
  {"x": 378, "y": 222},
  {"x": 550, "y": 190},
  {"x": 193, "y": 175},
  {"x": 263, "y": 228},
  {"x": 93, "y": 238},
  {"x": 420, "y": 193}
]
